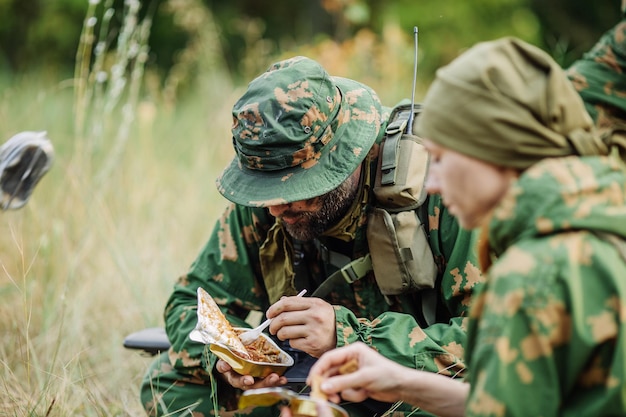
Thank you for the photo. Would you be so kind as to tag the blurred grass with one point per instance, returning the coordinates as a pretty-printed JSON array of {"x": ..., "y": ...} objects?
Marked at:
[{"x": 84, "y": 262}]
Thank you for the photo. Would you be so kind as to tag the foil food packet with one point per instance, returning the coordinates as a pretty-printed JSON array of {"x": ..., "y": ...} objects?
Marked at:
[{"x": 214, "y": 328}]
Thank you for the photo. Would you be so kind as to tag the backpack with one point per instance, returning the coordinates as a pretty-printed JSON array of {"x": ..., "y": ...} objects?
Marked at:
[
  {"x": 397, "y": 223},
  {"x": 399, "y": 251}
]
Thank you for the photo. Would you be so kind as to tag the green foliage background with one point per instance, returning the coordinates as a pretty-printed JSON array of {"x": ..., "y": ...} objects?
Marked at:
[
  {"x": 44, "y": 34},
  {"x": 136, "y": 99}
]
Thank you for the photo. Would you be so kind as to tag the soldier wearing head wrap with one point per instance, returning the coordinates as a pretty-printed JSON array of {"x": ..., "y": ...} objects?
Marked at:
[
  {"x": 549, "y": 324},
  {"x": 514, "y": 151},
  {"x": 306, "y": 150}
]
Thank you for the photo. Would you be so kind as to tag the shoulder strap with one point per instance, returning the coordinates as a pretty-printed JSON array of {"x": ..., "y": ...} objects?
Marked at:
[
  {"x": 353, "y": 271},
  {"x": 390, "y": 153}
]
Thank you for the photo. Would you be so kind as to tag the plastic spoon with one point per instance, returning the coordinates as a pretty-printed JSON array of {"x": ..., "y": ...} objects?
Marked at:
[{"x": 250, "y": 336}]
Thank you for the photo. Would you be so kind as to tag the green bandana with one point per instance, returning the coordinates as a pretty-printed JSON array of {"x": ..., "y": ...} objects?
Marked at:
[{"x": 276, "y": 263}]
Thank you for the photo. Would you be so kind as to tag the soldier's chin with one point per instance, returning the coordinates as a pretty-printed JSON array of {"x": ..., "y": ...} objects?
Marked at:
[{"x": 300, "y": 231}]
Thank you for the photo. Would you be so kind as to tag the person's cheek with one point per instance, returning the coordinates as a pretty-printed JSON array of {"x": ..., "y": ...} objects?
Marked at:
[{"x": 432, "y": 180}]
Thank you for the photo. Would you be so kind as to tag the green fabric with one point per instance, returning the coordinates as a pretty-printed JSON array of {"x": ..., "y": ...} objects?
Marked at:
[
  {"x": 547, "y": 334},
  {"x": 229, "y": 269},
  {"x": 599, "y": 78},
  {"x": 599, "y": 75},
  {"x": 298, "y": 133},
  {"x": 276, "y": 259},
  {"x": 507, "y": 103}
]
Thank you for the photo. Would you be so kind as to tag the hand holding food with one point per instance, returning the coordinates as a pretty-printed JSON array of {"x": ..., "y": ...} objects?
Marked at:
[
  {"x": 314, "y": 405},
  {"x": 353, "y": 373},
  {"x": 247, "y": 382},
  {"x": 256, "y": 365},
  {"x": 307, "y": 322}
]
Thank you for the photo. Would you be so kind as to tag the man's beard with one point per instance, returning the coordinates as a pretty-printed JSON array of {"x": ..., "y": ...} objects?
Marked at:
[{"x": 333, "y": 206}]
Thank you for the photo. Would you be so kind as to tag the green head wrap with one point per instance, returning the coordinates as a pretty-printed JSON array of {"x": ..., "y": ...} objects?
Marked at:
[{"x": 507, "y": 103}]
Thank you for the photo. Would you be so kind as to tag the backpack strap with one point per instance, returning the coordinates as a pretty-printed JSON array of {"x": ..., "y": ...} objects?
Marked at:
[
  {"x": 346, "y": 269},
  {"x": 390, "y": 153},
  {"x": 429, "y": 297},
  {"x": 350, "y": 273}
]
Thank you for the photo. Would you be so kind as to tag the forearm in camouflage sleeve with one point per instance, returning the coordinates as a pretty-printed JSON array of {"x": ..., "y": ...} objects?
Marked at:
[{"x": 398, "y": 337}]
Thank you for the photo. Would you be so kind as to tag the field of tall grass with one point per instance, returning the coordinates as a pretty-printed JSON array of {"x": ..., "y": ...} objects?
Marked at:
[
  {"x": 94, "y": 254},
  {"x": 127, "y": 205}
]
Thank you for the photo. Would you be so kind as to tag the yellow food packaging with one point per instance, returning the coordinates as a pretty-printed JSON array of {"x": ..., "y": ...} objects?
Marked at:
[
  {"x": 249, "y": 367},
  {"x": 300, "y": 405}
]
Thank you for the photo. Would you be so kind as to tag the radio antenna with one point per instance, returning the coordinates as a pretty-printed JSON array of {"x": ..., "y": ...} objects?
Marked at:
[{"x": 409, "y": 128}]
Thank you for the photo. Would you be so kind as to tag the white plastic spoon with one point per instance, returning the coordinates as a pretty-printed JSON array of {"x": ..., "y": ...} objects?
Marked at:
[{"x": 251, "y": 335}]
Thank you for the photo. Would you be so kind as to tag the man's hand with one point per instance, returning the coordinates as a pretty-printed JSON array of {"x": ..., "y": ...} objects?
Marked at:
[
  {"x": 307, "y": 322},
  {"x": 245, "y": 382}
]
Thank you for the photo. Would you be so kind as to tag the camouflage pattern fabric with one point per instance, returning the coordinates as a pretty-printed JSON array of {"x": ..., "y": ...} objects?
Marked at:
[
  {"x": 599, "y": 77},
  {"x": 228, "y": 268},
  {"x": 298, "y": 133},
  {"x": 547, "y": 334}
]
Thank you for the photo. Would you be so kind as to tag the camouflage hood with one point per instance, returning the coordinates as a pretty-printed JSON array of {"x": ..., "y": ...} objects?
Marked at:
[
  {"x": 559, "y": 195},
  {"x": 298, "y": 133},
  {"x": 599, "y": 75}
]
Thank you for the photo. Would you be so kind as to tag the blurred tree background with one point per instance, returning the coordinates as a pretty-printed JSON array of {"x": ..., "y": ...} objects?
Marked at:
[{"x": 42, "y": 35}]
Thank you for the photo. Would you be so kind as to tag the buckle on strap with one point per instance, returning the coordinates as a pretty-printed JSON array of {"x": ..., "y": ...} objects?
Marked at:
[{"x": 357, "y": 269}]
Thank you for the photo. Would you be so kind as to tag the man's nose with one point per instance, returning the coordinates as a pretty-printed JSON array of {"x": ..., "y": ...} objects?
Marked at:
[{"x": 278, "y": 209}]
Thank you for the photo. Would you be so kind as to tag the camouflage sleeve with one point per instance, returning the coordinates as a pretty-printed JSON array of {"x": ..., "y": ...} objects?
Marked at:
[
  {"x": 454, "y": 249},
  {"x": 548, "y": 327},
  {"x": 398, "y": 336},
  {"x": 227, "y": 268}
]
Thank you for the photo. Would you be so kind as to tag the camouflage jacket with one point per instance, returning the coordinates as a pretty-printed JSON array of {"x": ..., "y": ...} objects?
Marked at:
[
  {"x": 228, "y": 268},
  {"x": 546, "y": 335},
  {"x": 599, "y": 77}
]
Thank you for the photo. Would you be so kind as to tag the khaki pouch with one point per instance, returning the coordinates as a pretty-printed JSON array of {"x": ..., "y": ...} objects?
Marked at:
[{"x": 401, "y": 255}]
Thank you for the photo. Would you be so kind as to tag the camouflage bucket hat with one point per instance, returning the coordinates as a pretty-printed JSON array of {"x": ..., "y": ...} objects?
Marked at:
[{"x": 298, "y": 133}]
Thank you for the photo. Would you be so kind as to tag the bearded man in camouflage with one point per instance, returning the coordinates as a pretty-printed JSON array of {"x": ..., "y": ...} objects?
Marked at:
[{"x": 306, "y": 157}]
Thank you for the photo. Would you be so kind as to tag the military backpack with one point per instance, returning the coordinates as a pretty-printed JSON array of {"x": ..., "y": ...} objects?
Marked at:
[{"x": 399, "y": 250}]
